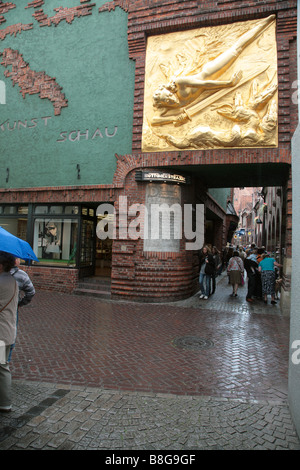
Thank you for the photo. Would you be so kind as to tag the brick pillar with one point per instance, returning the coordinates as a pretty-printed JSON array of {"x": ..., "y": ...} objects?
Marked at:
[{"x": 151, "y": 270}]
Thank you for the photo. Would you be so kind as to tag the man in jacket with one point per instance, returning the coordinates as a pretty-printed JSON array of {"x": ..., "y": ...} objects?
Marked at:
[{"x": 24, "y": 283}]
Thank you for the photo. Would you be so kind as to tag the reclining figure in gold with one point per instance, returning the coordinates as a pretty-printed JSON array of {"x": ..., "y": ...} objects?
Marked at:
[{"x": 182, "y": 109}]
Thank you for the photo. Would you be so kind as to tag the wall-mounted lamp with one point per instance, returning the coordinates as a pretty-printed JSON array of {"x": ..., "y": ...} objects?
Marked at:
[
  {"x": 7, "y": 175},
  {"x": 78, "y": 171}
]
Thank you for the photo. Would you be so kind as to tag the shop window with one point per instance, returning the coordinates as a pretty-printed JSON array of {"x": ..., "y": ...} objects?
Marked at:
[
  {"x": 41, "y": 210},
  {"x": 9, "y": 210},
  {"x": 22, "y": 210},
  {"x": 56, "y": 210},
  {"x": 16, "y": 226},
  {"x": 55, "y": 241},
  {"x": 72, "y": 210},
  {"x": 14, "y": 220}
]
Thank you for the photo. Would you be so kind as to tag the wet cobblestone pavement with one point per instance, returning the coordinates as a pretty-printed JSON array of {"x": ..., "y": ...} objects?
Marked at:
[{"x": 189, "y": 375}]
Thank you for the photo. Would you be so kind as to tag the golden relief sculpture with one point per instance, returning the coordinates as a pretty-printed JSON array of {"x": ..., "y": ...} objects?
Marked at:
[{"x": 212, "y": 88}]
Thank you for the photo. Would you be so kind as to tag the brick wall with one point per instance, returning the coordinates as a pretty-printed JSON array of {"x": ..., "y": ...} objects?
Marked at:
[{"x": 53, "y": 279}]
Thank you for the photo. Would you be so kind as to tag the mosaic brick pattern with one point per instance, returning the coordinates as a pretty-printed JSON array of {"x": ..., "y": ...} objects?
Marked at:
[{"x": 32, "y": 82}]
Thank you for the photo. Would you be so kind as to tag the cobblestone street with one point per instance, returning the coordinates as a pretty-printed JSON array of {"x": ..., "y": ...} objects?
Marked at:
[{"x": 189, "y": 375}]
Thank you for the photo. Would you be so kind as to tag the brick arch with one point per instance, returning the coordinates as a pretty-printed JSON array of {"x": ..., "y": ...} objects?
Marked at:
[{"x": 125, "y": 164}]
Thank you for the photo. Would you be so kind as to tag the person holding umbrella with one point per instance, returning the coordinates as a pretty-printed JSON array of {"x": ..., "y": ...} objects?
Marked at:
[{"x": 9, "y": 296}]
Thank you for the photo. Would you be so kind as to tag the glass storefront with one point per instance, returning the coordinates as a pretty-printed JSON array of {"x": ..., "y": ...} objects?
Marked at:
[
  {"x": 60, "y": 235},
  {"x": 55, "y": 234},
  {"x": 13, "y": 218},
  {"x": 55, "y": 241}
]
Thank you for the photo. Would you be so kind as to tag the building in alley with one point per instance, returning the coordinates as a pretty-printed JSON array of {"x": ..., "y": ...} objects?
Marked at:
[{"x": 111, "y": 109}]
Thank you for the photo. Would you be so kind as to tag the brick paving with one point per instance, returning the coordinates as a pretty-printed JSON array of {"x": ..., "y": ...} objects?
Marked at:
[{"x": 98, "y": 374}]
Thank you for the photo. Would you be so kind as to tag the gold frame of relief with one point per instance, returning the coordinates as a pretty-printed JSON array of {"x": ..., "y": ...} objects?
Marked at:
[{"x": 214, "y": 87}]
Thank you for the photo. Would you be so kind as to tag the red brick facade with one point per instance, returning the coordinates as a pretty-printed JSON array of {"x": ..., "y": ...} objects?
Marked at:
[
  {"x": 32, "y": 82},
  {"x": 149, "y": 275},
  {"x": 158, "y": 17},
  {"x": 50, "y": 278}
]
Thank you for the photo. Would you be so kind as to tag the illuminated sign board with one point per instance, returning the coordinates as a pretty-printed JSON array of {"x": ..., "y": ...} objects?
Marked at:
[{"x": 160, "y": 176}]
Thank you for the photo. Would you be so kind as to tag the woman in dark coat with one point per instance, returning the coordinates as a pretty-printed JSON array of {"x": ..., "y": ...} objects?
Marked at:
[
  {"x": 251, "y": 267},
  {"x": 207, "y": 270}
]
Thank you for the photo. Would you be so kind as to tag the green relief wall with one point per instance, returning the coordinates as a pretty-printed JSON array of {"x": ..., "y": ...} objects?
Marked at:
[
  {"x": 220, "y": 195},
  {"x": 89, "y": 59}
]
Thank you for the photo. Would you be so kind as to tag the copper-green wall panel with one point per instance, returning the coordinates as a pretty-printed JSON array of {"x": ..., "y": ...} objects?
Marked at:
[{"x": 89, "y": 60}]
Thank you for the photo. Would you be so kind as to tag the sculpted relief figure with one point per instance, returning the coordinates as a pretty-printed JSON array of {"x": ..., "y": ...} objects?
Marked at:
[
  {"x": 256, "y": 132},
  {"x": 177, "y": 108}
]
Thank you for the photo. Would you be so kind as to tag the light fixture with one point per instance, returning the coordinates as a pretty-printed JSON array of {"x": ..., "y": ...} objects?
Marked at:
[{"x": 78, "y": 171}]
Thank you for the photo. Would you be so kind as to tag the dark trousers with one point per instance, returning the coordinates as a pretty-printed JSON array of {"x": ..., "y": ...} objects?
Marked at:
[
  {"x": 251, "y": 286},
  {"x": 258, "y": 286}
]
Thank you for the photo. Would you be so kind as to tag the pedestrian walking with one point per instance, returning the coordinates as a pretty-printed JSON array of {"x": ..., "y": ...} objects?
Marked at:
[
  {"x": 235, "y": 270},
  {"x": 24, "y": 283},
  {"x": 26, "y": 287},
  {"x": 251, "y": 267},
  {"x": 241, "y": 253},
  {"x": 9, "y": 294},
  {"x": 217, "y": 259},
  {"x": 268, "y": 277},
  {"x": 207, "y": 269},
  {"x": 217, "y": 267}
]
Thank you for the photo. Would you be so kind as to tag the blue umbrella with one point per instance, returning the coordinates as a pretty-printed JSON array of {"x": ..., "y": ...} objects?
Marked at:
[{"x": 15, "y": 246}]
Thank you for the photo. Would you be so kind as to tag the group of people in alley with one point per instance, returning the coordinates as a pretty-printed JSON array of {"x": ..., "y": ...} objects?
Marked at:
[{"x": 259, "y": 265}]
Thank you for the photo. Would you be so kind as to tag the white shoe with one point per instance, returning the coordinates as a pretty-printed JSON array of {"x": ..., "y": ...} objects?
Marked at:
[
  {"x": 201, "y": 296},
  {"x": 5, "y": 408},
  {"x": 205, "y": 297}
]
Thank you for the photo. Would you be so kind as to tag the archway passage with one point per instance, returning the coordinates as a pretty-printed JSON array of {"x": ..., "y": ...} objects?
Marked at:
[{"x": 239, "y": 175}]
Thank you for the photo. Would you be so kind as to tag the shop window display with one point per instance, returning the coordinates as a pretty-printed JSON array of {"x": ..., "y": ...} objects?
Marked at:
[{"x": 55, "y": 241}]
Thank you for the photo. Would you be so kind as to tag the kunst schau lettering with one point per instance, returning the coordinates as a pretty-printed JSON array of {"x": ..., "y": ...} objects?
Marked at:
[
  {"x": 8, "y": 126},
  {"x": 156, "y": 222},
  {"x": 77, "y": 136}
]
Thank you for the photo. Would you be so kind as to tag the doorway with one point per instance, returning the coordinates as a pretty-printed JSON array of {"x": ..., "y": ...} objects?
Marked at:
[
  {"x": 95, "y": 248},
  {"x": 103, "y": 257},
  {"x": 104, "y": 241}
]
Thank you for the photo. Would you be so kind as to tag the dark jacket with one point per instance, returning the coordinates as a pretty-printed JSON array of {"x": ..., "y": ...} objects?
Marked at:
[
  {"x": 210, "y": 266},
  {"x": 250, "y": 266}
]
